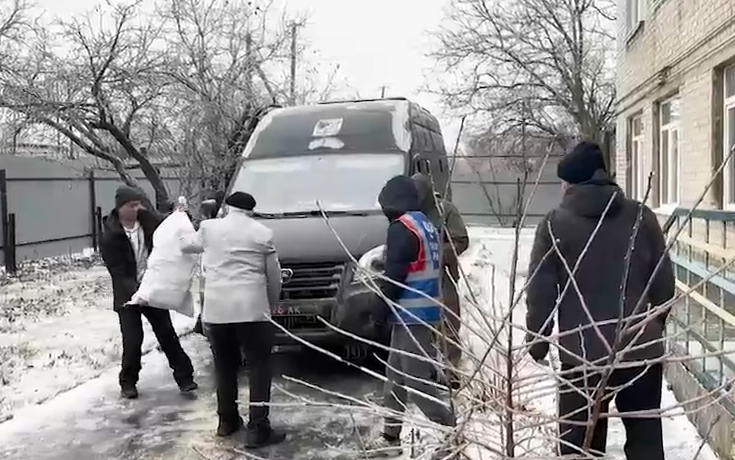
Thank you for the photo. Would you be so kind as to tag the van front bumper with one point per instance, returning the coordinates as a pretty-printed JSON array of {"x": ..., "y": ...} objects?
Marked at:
[{"x": 350, "y": 316}]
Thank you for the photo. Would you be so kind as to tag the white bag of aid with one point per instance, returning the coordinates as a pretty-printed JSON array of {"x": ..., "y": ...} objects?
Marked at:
[{"x": 167, "y": 279}]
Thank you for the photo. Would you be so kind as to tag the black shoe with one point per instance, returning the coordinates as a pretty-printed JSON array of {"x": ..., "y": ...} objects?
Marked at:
[
  {"x": 257, "y": 438},
  {"x": 129, "y": 392},
  {"x": 228, "y": 426},
  {"x": 188, "y": 387}
]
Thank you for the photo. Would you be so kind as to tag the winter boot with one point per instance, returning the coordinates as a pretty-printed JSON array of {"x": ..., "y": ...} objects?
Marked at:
[
  {"x": 129, "y": 392},
  {"x": 229, "y": 425},
  {"x": 262, "y": 437},
  {"x": 188, "y": 386}
]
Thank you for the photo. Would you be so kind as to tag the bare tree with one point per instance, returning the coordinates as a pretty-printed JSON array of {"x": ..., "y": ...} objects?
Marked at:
[
  {"x": 547, "y": 64},
  {"x": 103, "y": 94},
  {"x": 14, "y": 23},
  {"x": 217, "y": 51}
]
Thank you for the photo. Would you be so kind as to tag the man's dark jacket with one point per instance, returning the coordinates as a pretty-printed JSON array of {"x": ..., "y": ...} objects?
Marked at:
[
  {"x": 402, "y": 247},
  {"x": 118, "y": 255},
  {"x": 599, "y": 275}
]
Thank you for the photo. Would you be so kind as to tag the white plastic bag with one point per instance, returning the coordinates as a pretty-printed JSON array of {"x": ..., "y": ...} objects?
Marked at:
[{"x": 167, "y": 279}]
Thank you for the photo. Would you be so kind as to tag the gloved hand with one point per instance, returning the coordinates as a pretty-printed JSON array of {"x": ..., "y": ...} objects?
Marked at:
[
  {"x": 380, "y": 311},
  {"x": 538, "y": 348}
]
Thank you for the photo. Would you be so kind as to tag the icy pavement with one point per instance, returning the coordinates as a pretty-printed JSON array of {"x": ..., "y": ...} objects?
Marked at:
[
  {"x": 91, "y": 422},
  {"x": 492, "y": 251},
  {"x": 57, "y": 330}
]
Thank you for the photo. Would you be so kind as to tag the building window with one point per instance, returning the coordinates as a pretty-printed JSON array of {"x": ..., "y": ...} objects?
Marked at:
[
  {"x": 668, "y": 146},
  {"x": 635, "y": 10},
  {"x": 729, "y": 135},
  {"x": 638, "y": 182}
]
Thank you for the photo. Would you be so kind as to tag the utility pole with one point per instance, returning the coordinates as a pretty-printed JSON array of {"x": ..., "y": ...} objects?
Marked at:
[
  {"x": 292, "y": 94},
  {"x": 382, "y": 92},
  {"x": 250, "y": 65}
]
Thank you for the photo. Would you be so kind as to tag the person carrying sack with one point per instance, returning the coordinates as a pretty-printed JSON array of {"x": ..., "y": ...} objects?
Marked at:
[{"x": 126, "y": 242}]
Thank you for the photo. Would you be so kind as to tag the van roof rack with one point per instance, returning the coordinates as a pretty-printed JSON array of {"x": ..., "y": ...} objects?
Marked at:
[{"x": 363, "y": 100}]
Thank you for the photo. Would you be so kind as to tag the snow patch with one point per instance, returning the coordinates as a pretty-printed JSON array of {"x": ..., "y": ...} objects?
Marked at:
[{"x": 58, "y": 329}]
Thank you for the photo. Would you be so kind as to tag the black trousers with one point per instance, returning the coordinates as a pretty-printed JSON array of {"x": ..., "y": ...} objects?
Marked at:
[
  {"x": 255, "y": 339},
  {"x": 131, "y": 326},
  {"x": 634, "y": 389}
]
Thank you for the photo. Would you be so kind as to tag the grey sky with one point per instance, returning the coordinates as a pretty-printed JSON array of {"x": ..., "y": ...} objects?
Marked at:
[{"x": 376, "y": 42}]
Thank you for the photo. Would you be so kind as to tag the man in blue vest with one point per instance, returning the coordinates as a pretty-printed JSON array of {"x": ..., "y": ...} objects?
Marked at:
[{"x": 412, "y": 258}]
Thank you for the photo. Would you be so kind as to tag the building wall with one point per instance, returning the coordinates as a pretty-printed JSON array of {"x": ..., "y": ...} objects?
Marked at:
[{"x": 679, "y": 48}]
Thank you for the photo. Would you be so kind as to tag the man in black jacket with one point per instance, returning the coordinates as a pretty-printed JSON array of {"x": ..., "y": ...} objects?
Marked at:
[
  {"x": 595, "y": 329},
  {"x": 126, "y": 242}
]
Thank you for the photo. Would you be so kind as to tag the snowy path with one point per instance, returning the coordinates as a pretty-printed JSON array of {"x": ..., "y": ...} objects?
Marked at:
[
  {"x": 58, "y": 330},
  {"x": 91, "y": 422}
]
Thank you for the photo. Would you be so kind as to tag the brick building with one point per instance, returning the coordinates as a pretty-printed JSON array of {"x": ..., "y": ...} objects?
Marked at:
[
  {"x": 676, "y": 100},
  {"x": 676, "y": 119}
]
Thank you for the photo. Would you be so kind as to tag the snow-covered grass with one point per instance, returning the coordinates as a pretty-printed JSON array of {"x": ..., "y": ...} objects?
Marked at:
[
  {"x": 58, "y": 329},
  {"x": 489, "y": 258}
]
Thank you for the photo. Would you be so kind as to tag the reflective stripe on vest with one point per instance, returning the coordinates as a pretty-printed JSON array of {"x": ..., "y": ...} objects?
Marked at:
[{"x": 421, "y": 304}]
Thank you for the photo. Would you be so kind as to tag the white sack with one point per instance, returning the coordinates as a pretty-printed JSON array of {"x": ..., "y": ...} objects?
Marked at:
[{"x": 167, "y": 279}]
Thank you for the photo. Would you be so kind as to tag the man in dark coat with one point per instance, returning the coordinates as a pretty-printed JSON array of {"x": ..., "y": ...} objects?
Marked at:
[
  {"x": 126, "y": 242},
  {"x": 448, "y": 221},
  {"x": 588, "y": 330}
]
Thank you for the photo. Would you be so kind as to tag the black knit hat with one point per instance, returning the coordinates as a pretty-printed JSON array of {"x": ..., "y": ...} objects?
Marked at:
[
  {"x": 125, "y": 194},
  {"x": 581, "y": 163},
  {"x": 241, "y": 200}
]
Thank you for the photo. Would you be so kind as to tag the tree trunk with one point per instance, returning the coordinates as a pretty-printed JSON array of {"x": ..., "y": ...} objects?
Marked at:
[{"x": 149, "y": 171}]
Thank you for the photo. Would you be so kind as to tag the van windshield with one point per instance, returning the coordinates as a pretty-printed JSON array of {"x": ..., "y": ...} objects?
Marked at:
[{"x": 338, "y": 182}]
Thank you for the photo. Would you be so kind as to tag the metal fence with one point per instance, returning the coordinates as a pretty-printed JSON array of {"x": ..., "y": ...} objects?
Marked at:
[
  {"x": 48, "y": 209},
  {"x": 704, "y": 321},
  {"x": 488, "y": 192}
]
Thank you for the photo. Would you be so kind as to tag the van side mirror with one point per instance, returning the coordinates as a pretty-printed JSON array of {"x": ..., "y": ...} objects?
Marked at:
[{"x": 208, "y": 209}]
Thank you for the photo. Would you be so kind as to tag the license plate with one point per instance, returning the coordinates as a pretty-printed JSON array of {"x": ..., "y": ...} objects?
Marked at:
[{"x": 294, "y": 310}]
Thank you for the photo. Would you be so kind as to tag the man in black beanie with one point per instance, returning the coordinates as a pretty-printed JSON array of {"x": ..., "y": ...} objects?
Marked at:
[
  {"x": 242, "y": 281},
  {"x": 588, "y": 329},
  {"x": 126, "y": 242}
]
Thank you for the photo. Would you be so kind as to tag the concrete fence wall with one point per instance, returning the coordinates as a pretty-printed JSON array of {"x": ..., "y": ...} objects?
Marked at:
[
  {"x": 50, "y": 209},
  {"x": 486, "y": 192}
]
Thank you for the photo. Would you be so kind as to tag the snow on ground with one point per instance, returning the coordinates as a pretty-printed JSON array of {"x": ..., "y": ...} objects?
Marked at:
[
  {"x": 488, "y": 258},
  {"x": 57, "y": 329}
]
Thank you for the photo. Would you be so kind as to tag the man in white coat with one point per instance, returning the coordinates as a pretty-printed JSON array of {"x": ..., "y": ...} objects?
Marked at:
[{"x": 242, "y": 280}]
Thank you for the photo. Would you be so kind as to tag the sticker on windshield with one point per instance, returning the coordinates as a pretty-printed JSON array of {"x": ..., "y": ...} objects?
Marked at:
[{"x": 327, "y": 127}]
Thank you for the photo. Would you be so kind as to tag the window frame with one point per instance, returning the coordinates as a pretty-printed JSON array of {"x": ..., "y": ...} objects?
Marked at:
[
  {"x": 728, "y": 103},
  {"x": 665, "y": 131},
  {"x": 634, "y": 15},
  {"x": 637, "y": 158}
]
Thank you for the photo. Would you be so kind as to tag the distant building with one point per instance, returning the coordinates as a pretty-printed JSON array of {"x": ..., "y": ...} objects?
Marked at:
[{"x": 676, "y": 100}]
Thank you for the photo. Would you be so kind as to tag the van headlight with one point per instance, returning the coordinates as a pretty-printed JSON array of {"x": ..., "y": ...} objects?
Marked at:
[{"x": 370, "y": 264}]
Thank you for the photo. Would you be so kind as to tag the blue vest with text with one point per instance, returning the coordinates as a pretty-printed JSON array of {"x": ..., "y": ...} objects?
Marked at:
[{"x": 421, "y": 303}]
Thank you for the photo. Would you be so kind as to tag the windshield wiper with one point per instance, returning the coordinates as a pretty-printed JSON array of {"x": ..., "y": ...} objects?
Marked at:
[
  {"x": 317, "y": 213},
  {"x": 266, "y": 215}
]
